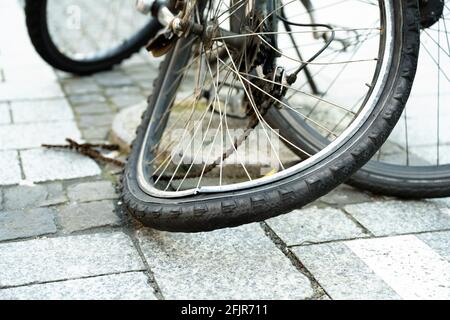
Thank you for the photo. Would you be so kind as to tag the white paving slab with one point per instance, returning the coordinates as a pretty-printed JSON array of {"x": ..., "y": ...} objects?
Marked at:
[
  {"x": 29, "y": 68},
  {"x": 342, "y": 274},
  {"x": 27, "y": 136},
  {"x": 409, "y": 266},
  {"x": 125, "y": 286},
  {"x": 10, "y": 172},
  {"x": 240, "y": 263},
  {"x": 5, "y": 116},
  {"x": 50, "y": 165},
  {"x": 28, "y": 77},
  {"x": 29, "y": 90},
  {"x": 41, "y": 111},
  {"x": 314, "y": 225},
  {"x": 66, "y": 258}
]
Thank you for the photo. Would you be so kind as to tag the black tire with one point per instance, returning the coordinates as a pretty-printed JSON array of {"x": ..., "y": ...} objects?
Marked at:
[
  {"x": 403, "y": 182},
  {"x": 36, "y": 21},
  {"x": 230, "y": 209}
]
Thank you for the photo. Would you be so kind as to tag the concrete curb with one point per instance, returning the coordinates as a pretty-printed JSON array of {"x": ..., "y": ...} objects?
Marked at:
[{"x": 125, "y": 124}]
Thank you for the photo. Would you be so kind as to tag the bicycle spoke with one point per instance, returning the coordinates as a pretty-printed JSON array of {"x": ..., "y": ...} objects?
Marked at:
[{"x": 438, "y": 96}]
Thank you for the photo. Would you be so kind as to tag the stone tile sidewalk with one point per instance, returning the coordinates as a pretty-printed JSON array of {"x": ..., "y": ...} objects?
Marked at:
[{"x": 63, "y": 236}]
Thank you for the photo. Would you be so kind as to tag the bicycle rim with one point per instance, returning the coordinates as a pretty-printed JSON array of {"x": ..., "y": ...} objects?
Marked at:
[{"x": 165, "y": 177}]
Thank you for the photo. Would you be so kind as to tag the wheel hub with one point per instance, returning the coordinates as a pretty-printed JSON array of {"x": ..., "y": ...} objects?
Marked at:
[{"x": 430, "y": 12}]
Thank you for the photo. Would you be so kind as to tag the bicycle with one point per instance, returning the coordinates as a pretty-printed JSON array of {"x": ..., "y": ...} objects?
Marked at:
[
  {"x": 187, "y": 171},
  {"x": 83, "y": 37}
]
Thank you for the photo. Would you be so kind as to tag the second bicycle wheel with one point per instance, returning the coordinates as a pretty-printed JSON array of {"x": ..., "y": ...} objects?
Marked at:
[
  {"x": 415, "y": 162},
  {"x": 84, "y": 37},
  {"x": 194, "y": 169}
]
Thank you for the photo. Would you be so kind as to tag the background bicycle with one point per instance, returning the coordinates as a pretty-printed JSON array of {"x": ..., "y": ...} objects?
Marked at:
[
  {"x": 90, "y": 38},
  {"x": 415, "y": 162}
]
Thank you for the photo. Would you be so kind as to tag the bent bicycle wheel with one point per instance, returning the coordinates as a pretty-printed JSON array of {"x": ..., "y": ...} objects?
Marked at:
[
  {"x": 194, "y": 169},
  {"x": 415, "y": 162},
  {"x": 84, "y": 37}
]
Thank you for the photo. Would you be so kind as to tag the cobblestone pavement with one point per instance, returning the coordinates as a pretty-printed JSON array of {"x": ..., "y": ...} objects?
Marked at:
[{"x": 63, "y": 236}]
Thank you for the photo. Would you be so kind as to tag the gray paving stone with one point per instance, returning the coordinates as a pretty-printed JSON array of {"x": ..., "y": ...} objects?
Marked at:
[
  {"x": 26, "y": 136},
  {"x": 439, "y": 241},
  {"x": 342, "y": 274},
  {"x": 93, "y": 108},
  {"x": 345, "y": 195},
  {"x": 86, "y": 98},
  {"x": 96, "y": 133},
  {"x": 10, "y": 172},
  {"x": 5, "y": 116},
  {"x": 91, "y": 121},
  {"x": 75, "y": 86},
  {"x": 137, "y": 60},
  {"x": 49, "y": 165},
  {"x": 79, "y": 217},
  {"x": 92, "y": 191},
  {"x": 113, "y": 79},
  {"x": 397, "y": 217},
  {"x": 123, "y": 101},
  {"x": 315, "y": 225},
  {"x": 239, "y": 263},
  {"x": 124, "y": 286},
  {"x": 122, "y": 90},
  {"x": 41, "y": 110},
  {"x": 144, "y": 80},
  {"x": 66, "y": 258},
  {"x": 145, "y": 62},
  {"x": 23, "y": 197},
  {"x": 25, "y": 224},
  {"x": 62, "y": 75}
]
